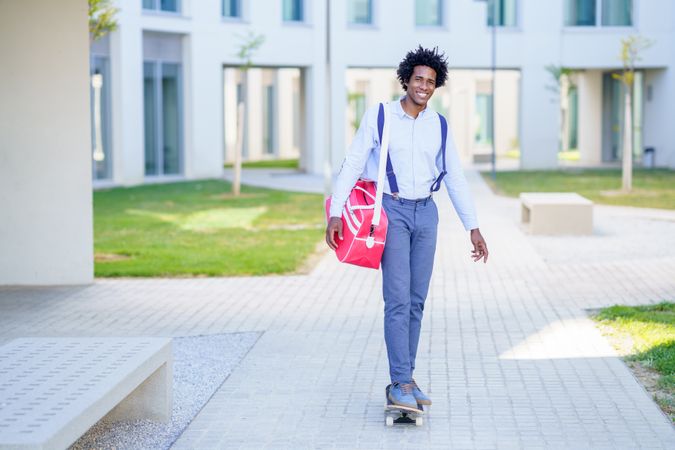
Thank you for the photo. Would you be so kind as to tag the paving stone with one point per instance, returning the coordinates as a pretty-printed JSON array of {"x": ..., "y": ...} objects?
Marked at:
[{"x": 507, "y": 350}]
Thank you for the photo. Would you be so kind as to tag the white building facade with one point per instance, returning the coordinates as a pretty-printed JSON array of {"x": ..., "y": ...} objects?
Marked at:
[
  {"x": 164, "y": 89},
  {"x": 166, "y": 85}
]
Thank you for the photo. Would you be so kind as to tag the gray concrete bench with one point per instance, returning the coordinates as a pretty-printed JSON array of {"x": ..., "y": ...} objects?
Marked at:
[
  {"x": 556, "y": 213},
  {"x": 52, "y": 390}
]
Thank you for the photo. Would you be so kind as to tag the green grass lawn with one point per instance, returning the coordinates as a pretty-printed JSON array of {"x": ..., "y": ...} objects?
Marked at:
[
  {"x": 200, "y": 229},
  {"x": 646, "y": 334},
  {"x": 653, "y": 188},
  {"x": 270, "y": 164}
]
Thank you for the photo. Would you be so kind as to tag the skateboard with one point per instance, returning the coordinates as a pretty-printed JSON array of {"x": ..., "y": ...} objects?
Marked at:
[{"x": 394, "y": 414}]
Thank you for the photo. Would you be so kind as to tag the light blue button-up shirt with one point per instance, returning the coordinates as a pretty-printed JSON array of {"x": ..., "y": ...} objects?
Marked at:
[{"x": 415, "y": 150}]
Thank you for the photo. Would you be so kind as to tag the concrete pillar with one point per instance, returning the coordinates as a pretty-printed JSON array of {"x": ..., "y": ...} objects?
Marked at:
[
  {"x": 539, "y": 108},
  {"x": 284, "y": 113},
  {"x": 338, "y": 98},
  {"x": 316, "y": 144},
  {"x": 462, "y": 111},
  {"x": 230, "y": 81},
  {"x": 538, "y": 121},
  {"x": 658, "y": 131},
  {"x": 46, "y": 233},
  {"x": 506, "y": 110},
  {"x": 589, "y": 89},
  {"x": 126, "y": 67},
  {"x": 254, "y": 114},
  {"x": 203, "y": 112}
]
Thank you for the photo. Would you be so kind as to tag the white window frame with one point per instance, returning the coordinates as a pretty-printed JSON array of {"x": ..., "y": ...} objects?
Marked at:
[
  {"x": 157, "y": 10},
  {"x": 374, "y": 6},
  {"x": 515, "y": 26},
  {"x": 444, "y": 6},
  {"x": 598, "y": 18},
  {"x": 243, "y": 12},
  {"x": 306, "y": 14}
]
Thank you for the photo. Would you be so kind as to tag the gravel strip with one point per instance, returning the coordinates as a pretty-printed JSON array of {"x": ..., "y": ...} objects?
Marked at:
[{"x": 200, "y": 366}]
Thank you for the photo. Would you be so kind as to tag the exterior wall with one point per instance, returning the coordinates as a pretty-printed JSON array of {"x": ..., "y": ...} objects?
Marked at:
[
  {"x": 126, "y": 67},
  {"x": 46, "y": 234},
  {"x": 658, "y": 131},
  {"x": 287, "y": 124},
  {"x": 210, "y": 43}
]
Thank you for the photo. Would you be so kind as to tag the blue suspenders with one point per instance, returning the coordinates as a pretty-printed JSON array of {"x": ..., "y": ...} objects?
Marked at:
[{"x": 390, "y": 169}]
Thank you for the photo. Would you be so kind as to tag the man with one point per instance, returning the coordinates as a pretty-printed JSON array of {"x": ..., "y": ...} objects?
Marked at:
[{"x": 407, "y": 261}]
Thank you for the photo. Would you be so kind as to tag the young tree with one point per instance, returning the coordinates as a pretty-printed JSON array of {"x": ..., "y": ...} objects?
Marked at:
[
  {"x": 630, "y": 54},
  {"x": 564, "y": 84},
  {"x": 101, "y": 18},
  {"x": 250, "y": 43},
  {"x": 101, "y": 22}
]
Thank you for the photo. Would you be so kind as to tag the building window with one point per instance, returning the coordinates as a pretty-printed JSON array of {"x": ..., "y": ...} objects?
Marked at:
[
  {"x": 100, "y": 118},
  {"x": 617, "y": 13},
  {"x": 162, "y": 96},
  {"x": 162, "y": 5},
  {"x": 360, "y": 12},
  {"x": 585, "y": 13},
  {"x": 294, "y": 11},
  {"x": 232, "y": 9},
  {"x": 269, "y": 110},
  {"x": 505, "y": 12},
  {"x": 580, "y": 13},
  {"x": 483, "y": 134},
  {"x": 573, "y": 124},
  {"x": 429, "y": 13}
]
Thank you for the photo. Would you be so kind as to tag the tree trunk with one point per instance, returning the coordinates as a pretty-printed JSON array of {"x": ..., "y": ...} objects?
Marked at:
[
  {"x": 564, "y": 112},
  {"x": 627, "y": 153}
]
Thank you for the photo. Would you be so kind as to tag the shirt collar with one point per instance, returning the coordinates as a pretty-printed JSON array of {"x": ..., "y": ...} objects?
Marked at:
[{"x": 398, "y": 109}]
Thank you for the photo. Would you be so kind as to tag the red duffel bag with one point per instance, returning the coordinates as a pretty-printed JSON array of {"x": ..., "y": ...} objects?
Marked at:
[
  {"x": 364, "y": 222},
  {"x": 363, "y": 241}
]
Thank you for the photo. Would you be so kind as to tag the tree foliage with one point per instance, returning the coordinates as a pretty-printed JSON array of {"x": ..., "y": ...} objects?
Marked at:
[
  {"x": 102, "y": 18},
  {"x": 560, "y": 73},
  {"x": 249, "y": 44},
  {"x": 631, "y": 47}
]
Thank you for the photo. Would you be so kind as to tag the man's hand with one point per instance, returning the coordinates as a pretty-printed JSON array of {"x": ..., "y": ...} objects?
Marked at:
[
  {"x": 480, "y": 250},
  {"x": 334, "y": 226}
]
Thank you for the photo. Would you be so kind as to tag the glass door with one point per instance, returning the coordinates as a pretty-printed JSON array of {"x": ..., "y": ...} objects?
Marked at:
[
  {"x": 613, "y": 103},
  {"x": 613, "y": 117},
  {"x": 163, "y": 110}
]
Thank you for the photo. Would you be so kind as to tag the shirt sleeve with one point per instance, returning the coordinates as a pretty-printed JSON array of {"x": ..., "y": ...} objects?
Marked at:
[
  {"x": 456, "y": 184},
  {"x": 365, "y": 140}
]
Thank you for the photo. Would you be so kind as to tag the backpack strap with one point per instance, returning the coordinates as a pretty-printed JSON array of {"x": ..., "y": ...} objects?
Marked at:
[
  {"x": 444, "y": 136},
  {"x": 391, "y": 177}
]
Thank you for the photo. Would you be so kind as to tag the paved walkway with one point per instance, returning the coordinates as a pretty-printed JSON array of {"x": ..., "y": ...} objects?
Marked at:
[{"x": 507, "y": 352}]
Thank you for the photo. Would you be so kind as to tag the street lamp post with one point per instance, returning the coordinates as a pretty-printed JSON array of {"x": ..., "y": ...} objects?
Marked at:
[
  {"x": 492, "y": 4},
  {"x": 328, "y": 155}
]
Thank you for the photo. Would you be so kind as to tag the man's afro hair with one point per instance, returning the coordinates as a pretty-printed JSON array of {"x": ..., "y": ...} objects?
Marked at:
[{"x": 423, "y": 57}]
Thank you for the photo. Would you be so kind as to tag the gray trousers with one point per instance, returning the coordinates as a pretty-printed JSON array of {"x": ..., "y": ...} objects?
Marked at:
[{"x": 407, "y": 263}]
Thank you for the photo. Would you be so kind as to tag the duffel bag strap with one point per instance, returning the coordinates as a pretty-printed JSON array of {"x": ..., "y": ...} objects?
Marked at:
[{"x": 383, "y": 130}]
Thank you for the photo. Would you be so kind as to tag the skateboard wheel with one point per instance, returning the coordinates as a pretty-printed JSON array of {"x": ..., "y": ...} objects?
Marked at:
[
  {"x": 419, "y": 422},
  {"x": 389, "y": 421}
]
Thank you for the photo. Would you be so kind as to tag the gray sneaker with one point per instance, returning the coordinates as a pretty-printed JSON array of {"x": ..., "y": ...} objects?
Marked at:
[
  {"x": 402, "y": 395},
  {"x": 420, "y": 396}
]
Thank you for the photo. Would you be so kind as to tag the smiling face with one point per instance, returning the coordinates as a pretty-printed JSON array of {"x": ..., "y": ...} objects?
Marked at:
[{"x": 421, "y": 85}]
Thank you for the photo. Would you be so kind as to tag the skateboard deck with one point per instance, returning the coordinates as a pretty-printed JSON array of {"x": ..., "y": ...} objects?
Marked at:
[{"x": 394, "y": 414}]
